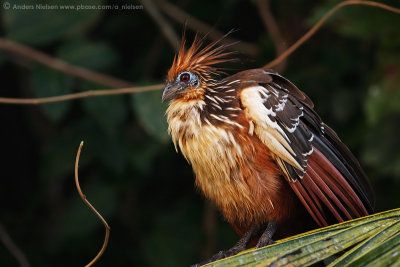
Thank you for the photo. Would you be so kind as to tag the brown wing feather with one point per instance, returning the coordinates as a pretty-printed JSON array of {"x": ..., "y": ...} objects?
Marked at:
[
  {"x": 330, "y": 183},
  {"x": 308, "y": 201},
  {"x": 331, "y": 189}
]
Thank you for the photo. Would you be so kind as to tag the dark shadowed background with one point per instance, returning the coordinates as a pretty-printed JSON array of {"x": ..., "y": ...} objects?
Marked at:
[{"x": 129, "y": 169}]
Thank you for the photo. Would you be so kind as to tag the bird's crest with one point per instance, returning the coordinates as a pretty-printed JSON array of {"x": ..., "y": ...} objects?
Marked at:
[{"x": 200, "y": 61}]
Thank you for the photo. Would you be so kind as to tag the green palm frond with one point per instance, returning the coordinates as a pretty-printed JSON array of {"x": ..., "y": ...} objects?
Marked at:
[{"x": 369, "y": 241}]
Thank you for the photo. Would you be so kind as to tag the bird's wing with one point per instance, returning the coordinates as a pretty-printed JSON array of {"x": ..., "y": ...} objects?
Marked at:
[{"x": 318, "y": 166}]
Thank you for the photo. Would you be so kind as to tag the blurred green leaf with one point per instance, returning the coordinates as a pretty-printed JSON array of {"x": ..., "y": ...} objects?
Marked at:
[
  {"x": 381, "y": 102},
  {"x": 381, "y": 147},
  {"x": 108, "y": 111},
  {"x": 96, "y": 56},
  {"x": 343, "y": 104},
  {"x": 384, "y": 95},
  {"x": 111, "y": 150},
  {"x": 370, "y": 238},
  {"x": 141, "y": 155},
  {"x": 34, "y": 25},
  {"x": 350, "y": 21},
  {"x": 151, "y": 113},
  {"x": 319, "y": 11},
  {"x": 48, "y": 82}
]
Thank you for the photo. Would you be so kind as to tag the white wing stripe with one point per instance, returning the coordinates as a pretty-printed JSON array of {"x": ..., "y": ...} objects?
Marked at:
[{"x": 270, "y": 133}]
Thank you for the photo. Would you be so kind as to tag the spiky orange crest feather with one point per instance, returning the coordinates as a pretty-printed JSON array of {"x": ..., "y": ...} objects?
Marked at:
[{"x": 199, "y": 61}]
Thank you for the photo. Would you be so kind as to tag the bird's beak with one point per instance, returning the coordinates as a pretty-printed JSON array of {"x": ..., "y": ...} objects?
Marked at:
[{"x": 170, "y": 91}]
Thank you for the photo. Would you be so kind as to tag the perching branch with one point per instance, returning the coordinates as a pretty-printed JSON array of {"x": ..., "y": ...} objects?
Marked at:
[
  {"x": 318, "y": 25},
  {"x": 83, "y": 197}
]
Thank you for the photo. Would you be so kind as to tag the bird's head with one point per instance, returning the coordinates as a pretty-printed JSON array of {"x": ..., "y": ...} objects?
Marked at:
[{"x": 193, "y": 70}]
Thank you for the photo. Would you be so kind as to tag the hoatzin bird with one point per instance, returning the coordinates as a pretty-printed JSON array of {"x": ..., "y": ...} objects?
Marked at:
[{"x": 258, "y": 149}]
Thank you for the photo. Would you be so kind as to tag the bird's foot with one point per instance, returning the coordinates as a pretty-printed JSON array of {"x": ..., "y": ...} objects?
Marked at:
[
  {"x": 238, "y": 247},
  {"x": 264, "y": 243},
  {"x": 221, "y": 255},
  {"x": 266, "y": 237}
]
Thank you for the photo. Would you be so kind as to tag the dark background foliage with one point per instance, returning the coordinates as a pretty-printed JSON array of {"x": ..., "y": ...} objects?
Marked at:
[{"x": 129, "y": 168}]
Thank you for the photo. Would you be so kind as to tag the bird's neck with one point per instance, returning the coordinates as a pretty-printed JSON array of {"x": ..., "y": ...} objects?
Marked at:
[{"x": 184, "y": 119}]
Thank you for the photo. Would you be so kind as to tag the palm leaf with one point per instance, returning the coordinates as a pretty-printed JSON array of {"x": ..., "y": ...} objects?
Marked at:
[{"x": 369, "y": 241}]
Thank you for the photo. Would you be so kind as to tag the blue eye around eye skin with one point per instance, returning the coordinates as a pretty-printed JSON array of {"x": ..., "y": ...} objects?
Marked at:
[{"x": 188, "y": 78}]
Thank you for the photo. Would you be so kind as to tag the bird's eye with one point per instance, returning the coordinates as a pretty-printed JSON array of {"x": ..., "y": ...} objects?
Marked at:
[
  {"x": 188, "y": 78},
  {"x": 185, "y": 77}
]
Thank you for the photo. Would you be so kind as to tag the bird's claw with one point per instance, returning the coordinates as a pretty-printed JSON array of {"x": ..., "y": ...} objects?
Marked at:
[
  {"x": 265, "y": 243},
  {"x": 219, "y": 256},
  {"x": 266, "y": 237}
]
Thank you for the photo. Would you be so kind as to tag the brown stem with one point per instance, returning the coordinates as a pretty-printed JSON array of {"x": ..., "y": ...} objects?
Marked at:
[
  {"x": 83, "y": 197},
  {"x": 43, "y": 100}
]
